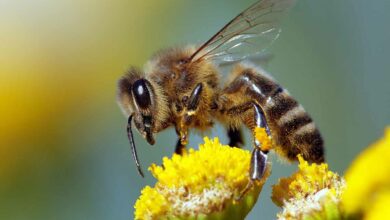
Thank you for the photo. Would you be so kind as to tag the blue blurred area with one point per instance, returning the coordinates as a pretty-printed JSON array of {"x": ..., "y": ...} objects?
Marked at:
[{"x": 71, "y": 159}]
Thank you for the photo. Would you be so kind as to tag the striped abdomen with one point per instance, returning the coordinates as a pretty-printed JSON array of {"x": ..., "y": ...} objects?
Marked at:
[{"x": 291, "y": 126}]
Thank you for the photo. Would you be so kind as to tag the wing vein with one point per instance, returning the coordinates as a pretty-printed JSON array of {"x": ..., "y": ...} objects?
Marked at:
[{"x": 249, "y": 33}]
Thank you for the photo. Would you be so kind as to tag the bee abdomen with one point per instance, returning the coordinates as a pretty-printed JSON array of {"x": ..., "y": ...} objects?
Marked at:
[
  {"x": 295, "y": 130},
  {"x": 309, "y": 140},
  {"x": 279, "y": 104}
]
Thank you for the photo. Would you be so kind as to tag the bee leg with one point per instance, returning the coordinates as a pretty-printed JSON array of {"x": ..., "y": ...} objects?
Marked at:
[
  {"x": 179, "y": 147},
  {"x": 260, "y": 119},
  {"x": 182, "y": 128},
  {"x": 182, "y": 139},
  {"x": 258, "y": 163},
  {"x": 259, "y": 156},
  {"x": 235, "y": 137},
  {"x": 194, "y": 99}
]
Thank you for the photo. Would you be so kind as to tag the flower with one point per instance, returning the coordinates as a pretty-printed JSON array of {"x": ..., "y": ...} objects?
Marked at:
[
  {"x": 313, "y": 192},
  {"x": 204, "y": 184},
  {"x": 368, "y": 181},
  {"x": 151, "y": 203}
]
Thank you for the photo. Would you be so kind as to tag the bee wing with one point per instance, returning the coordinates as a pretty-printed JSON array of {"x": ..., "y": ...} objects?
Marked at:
[{"x": 249, "y": 33}]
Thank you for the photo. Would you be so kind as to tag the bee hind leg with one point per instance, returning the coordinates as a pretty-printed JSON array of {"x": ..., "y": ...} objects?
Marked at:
[
  {"x": 258, "y": 163},
  {"x": 259, "y": 155}
]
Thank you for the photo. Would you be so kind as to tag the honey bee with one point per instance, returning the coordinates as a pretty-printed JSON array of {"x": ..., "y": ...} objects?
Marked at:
[{"x": 180, "y": 87}]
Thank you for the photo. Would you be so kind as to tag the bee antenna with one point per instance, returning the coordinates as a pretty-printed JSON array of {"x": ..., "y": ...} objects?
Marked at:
[{"x": 132, "y": 145}]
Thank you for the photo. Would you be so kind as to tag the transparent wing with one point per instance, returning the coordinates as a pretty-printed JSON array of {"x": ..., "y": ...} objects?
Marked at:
[{"x": 250, "y": 33}]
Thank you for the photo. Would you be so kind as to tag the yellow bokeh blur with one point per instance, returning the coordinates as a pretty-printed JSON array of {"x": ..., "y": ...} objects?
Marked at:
[
  {"x": 56, "y": 59},
  {"x": 59, "y": 63}
]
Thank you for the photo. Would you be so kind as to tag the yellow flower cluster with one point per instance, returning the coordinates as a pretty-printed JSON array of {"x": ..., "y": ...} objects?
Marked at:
[
  {"x": 204, "y": 184},
  {"x": 199, "y": 169},
  {"x": 199, "y": 183},
  {"x": 151, "y": 203},
  {"x": 368, "y": 182},
  {"x": 308, "y": 191},
  {"x": 309, "y": 179}
]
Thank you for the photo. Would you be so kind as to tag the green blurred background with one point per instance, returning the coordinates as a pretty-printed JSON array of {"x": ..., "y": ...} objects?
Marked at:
[{"x": 64, "y": 153}]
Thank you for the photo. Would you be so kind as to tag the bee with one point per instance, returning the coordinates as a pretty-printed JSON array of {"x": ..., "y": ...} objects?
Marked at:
[{"x": 181, "y": 87}]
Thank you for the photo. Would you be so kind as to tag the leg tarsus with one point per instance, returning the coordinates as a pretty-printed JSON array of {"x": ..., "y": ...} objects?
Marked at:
[
  {"x": 258, "y": 167},
  {"x": 182, "y": 139},
  {"x": 258, "y": 164},
  {"x": 179, "y": 147}
]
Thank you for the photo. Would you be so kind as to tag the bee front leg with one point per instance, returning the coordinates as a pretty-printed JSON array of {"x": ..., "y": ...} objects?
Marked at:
[
  {"x": 194, "y": 99},
  {"x": 185, "y": 121},
  {"x": 182, "y": 137}
]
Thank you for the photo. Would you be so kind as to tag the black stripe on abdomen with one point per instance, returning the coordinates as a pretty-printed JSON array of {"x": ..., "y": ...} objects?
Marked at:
[
  {"x": 279, "y": 105},
  {"x": 294, "y": 123}
]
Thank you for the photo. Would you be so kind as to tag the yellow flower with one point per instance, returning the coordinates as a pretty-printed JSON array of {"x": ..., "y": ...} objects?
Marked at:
[
  {"x": 380, "y": 208},
  {"x": 153, "y": 204},
  {"x": 313, "y": 192},
  {"x": 368, "y": 182},
  {"x": 201, "y": 184}
]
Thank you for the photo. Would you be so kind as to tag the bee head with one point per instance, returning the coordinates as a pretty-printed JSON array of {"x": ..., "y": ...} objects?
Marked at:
[
  {"x": 143, "y": 120},
  {"x": 137, "y": 98}
]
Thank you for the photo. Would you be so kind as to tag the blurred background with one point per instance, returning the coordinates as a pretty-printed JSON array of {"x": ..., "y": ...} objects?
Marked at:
[{"x": 64, "y": 153}]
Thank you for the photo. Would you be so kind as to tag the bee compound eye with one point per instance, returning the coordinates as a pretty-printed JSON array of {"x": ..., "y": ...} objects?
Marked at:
[{"x": 141, "y": 93}]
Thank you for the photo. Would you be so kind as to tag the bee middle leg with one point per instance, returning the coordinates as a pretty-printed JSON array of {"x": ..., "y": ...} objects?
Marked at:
[
  {"x": 179, "y": 149},
  {"x": 235, "y": 137}
]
